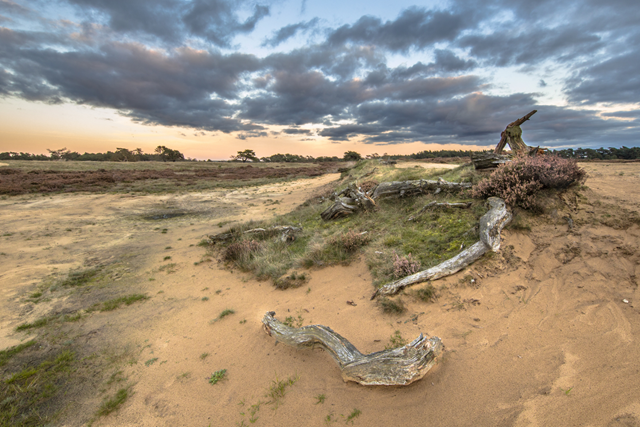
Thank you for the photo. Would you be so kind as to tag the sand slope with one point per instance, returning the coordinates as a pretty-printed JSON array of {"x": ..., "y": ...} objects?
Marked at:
[{"x": 541, "y": 337}]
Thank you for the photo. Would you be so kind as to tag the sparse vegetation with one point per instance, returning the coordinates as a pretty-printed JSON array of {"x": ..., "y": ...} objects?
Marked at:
[
  {"x": 426, "y": 294},
  {"x": 226, "y": 313},
  {"x": 396, "y": 341},
  {"x": 391, "y": 306},
  {"x": 114, "y": 403},
  {"x": 217, "y": 376},
  {"x": 353, "y": 415},
  {"x": 115, "y": 303}
]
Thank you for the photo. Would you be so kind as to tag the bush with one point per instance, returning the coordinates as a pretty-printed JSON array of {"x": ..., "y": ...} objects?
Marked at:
[
  {"x": 518, "y": 181},
  {"x": 405, "y": 266},
  {"x": 350, "y": 241},
  {"x": 241, "y": 251}
]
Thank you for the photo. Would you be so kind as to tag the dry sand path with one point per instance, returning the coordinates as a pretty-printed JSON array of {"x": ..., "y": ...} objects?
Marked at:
[{"x": 542, "y": 337}]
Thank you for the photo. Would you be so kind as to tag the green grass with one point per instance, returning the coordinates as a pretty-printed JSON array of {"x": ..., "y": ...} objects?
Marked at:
[
  {"x": 217, "y": 376},
  {"x": 81, "y": 278},
  {"x": 226, "y": 313},
  {"x": 26, "y": 395},
  {"x": 353, "y": 415},
  {"x": 278, "y": 389},
  {"x": 320, "y": 399},
  {"x": 115, "y": 303},
  {"x": 432, "y": 238},
  {"x": 426, "y": 294},
  {"x": 44, "y": 321},
  {"x": 113, "y": 403},
  {"x": 391, "y": 306},
  {"x": 7, "y": 354},
  {"x": 396, "y": 341}
]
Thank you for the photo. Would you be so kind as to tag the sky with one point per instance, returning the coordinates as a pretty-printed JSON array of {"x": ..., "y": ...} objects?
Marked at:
[{"x": 316, "y": 77}]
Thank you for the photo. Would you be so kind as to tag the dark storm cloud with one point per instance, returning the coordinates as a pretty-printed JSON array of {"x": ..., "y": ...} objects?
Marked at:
[
  {"x": 158, "y": 63},
  {"x": 293, "y": 131},
  {"x": 288, "y": 31},
  {"x": 611, "y": 81},
  {"x": 414, "y": 28},
  {"x": 172, "y": 21}
]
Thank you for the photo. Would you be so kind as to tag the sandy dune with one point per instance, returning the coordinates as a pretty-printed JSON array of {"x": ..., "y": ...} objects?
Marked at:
[{"x": 543, "y": 336}]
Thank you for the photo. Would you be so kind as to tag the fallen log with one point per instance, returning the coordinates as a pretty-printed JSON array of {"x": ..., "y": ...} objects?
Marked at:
[
  {"x": 491, "y": 224},
  {"x": 488, "y": 160},
  {"x": 287, "y": 233},
  {"x": 398, "y": 366},
  {"x": 413, "y": 188},
  {"x": 465, "y": 205}
]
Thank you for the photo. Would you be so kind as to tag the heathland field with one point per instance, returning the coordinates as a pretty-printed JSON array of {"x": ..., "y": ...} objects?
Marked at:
[{"x": 118, "y": 310}]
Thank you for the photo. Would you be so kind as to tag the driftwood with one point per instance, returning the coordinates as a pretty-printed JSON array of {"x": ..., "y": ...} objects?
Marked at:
[
  {"x": 351, "y": 199},
  {"x": 399, "y": 366},
  {"x": 490, "y": 226},
  {"x": 512, "y": 135},
  {"x": 484, "y": 160},
  {"x": 414, "y": 188},
  {"x": 464, "y": 205},
  {"x": 287, "y": 233}
]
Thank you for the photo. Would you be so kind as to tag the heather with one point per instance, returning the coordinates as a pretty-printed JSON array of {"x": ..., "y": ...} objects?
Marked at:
[{"x": 518, "y": 181}]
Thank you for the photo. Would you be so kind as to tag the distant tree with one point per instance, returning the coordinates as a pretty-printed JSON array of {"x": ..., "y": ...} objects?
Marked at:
[
  {"x": 245, "y": 155},
  {"x": 373, "y": 156},
  {"x": 123, "y": 155},
  {"x": 168, "y": 154},
  {"x": 58, "y": 154},
  {"x": 351, "y": 156}
]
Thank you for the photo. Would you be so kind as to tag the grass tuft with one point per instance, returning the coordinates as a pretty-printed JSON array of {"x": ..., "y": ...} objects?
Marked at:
[
  {"x": 391, "y": 306},
  {"x": 114, "y": 403},
  {"x": 115, "y": 303},
  {"x": 217, "y": 376}
]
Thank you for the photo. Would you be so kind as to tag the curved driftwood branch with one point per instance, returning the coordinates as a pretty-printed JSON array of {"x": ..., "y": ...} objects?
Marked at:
[
  {"x": 398, "y": 366},
  {"x": 491, "y": 224}
]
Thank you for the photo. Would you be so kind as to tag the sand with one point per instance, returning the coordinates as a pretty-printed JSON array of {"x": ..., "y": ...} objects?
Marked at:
[{"x": 543, "y": 336}]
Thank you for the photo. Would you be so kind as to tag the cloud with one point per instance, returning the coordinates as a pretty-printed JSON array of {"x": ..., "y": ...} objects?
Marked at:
[
  {"x": 293, "y": 131},
  {"x": 288, "y": 31},
  {"x": 614, "y": 80},
  {"x": 413, "y": 28}
]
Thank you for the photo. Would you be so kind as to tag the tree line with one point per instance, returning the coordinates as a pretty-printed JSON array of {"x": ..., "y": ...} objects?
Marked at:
[
  {"x": 161, "y": 154},
  {"x": 625, "y": 153}
]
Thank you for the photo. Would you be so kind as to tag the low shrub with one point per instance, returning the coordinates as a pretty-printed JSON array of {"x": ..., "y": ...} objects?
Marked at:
[
  {"x": 350, "y": 241},
  {"x": 518, "y": 181},
  {"x": 391, "y": 306},
  {"x": 405, "y": 266},
  {"x": 241, "y": 251}
]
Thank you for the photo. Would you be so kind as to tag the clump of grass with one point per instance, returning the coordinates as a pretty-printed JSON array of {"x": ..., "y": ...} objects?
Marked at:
[
  {"x": 278, "y": 389},
  {"x": 7, "y": 354},
  {"x": 113, "y": 403},
  {"x": 26, "y": 396},
  {"x": 205, "y": 298},
  {"x": 115, "y": 303},
  {"x": 204, "y": 356},
  {"x": 426, "y": 294},
  {"x": 226, "y": 313},
  {"x": 396, "y": 341},
  {"x": 217, "y": 376},
  {"x": 353, "y": 415},
  {"x": 80, "y": 278},
  {"x": 293, "y": 322},
  {"x": 294, "y": 280},
  {"x": 169, "y": 268},
  {"x": 391, "y": 306},
  {"x": 44, "y": 321},
  {"x": 167, "y": 258},
  {"x": 150, "y": 361},
  {"x": 241, "y": 252},
  {"x": 320, "y": 399}
]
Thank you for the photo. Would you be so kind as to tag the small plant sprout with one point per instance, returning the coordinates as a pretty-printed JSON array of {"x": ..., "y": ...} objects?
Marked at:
[
  {"x": 225, "y": 313},
  {"x": 217, "y": 376},
  {"x": 567, "y": 391},
  {"x": 320, "y": 399},
  {"x": 353, "y": 415},
  {"x": 204, "y": 356}
]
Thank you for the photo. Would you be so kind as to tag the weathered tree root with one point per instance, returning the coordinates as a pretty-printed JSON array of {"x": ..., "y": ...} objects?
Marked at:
[
  {"x": 491, "y": 224},
  {"x": 464, "y": 205},
  {"x": 348, "y": 201},
  {"x": 287, "y": 233},
  {"x": 399, "y": 366}
]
